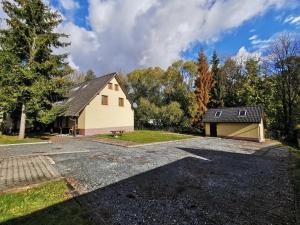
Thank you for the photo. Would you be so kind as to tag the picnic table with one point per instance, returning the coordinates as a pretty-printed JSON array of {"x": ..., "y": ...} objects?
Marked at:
[{"x": 116, "y": 132}]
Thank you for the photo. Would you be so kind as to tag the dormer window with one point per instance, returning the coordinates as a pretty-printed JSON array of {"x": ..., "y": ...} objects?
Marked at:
[
  {"x": 242, "y": 112},
  {"x": 70, "y": 99},
  {"x": 218, "y": 114},
  {"x": 75, "y": 88}
]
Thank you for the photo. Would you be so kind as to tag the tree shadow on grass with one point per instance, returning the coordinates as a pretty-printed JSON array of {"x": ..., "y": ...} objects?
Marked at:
[{"x": 228, "y": 188}]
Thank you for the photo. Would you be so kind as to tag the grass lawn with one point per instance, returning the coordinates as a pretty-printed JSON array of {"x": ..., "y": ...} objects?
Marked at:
[
  {"x": 10, "y": 139},
  {"x": 17, "y": 208},
  {"x": 147, "y": 136}
]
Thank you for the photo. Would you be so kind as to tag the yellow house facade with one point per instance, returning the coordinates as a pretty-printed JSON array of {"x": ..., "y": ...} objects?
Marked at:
[
  {"x": 98, "y": 106},
  {"x": 245, "y": 123}
]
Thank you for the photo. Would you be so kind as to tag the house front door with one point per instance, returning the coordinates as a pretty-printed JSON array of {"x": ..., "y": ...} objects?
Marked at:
[{"x": 213, "y": 129}]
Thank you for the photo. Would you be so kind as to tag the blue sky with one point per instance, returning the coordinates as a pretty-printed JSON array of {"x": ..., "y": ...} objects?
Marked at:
[
  {"x": 121, "y": 35},
  {"x": 263, "y": 27}
]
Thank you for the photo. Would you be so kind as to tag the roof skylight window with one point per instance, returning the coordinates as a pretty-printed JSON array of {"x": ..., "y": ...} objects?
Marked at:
[
  {"x": 75, "y": 88},
  {"x": 218, "y": 114},
  {"x": 243, "y": 112}
]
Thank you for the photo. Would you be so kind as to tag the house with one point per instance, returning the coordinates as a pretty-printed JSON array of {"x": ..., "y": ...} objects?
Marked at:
[
  {"x": 96, "y": 107},
  {"x": 244, "y": 123}
]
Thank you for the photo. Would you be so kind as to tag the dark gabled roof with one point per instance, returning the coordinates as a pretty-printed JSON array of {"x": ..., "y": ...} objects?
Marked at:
[
  {"x": 231, "y": 115},
  {"x": 81, "y": 95}
]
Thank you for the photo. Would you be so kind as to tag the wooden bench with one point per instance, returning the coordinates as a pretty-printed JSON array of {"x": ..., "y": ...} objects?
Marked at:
[{"x": 116, "y": 132}]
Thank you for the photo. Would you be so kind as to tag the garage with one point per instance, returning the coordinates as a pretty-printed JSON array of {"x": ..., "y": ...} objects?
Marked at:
[{"x": 245, "y": 123}]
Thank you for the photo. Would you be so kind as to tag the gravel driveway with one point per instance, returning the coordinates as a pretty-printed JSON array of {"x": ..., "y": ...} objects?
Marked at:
[{"x": 198, "y": 181}]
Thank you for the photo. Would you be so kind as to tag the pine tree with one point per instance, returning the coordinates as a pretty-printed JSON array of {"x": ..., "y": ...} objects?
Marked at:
[
  {"x": 203, "y": 85},
  {"x": 217, "y": 92},
  {"x": 250, "y": 91},
  {"x": 37, "y": 75},
  {"x": 233, "y": 80}
]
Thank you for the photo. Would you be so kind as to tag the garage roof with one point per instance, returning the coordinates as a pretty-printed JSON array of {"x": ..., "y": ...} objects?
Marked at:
[{"x": 245, "y": 114}]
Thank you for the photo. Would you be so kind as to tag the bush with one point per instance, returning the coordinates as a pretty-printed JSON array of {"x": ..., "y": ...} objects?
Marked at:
[
  {"x": 298, "y": 134},
  {"x": 171, "y": 115}
]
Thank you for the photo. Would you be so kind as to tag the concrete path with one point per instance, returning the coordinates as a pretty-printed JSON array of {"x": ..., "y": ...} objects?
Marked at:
[{"x": 25, "y": 170}]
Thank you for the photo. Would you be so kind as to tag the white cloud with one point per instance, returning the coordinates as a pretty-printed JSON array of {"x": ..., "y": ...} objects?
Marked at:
[
  {"x": 155, "y": 32},
  {"x": 260, "y": 44},
  {"x": 84, "y": 49},
  {"x": 126, "y": 34},
  {"x": 243, "y": 55},
  {"x": 72, "y": 64},
  {"x": 69, "y": 4},
  {"x": 293, "y": 20},
  {"x": 253, "y": 37}
]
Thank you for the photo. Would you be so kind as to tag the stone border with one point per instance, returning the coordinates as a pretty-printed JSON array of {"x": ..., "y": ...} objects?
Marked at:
[
  {"x": 292, "y": 168},
  {"x": 75, "y": 186},
  {"x": 45, "y": 154},
  {"x": 29, "y": 186},
  {"x": 119, "y": 142},
  {"x": 30, "y": 143}
]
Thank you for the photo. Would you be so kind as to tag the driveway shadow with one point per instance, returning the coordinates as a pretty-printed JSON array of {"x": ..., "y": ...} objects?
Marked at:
[{"x": 229, "y": 188}]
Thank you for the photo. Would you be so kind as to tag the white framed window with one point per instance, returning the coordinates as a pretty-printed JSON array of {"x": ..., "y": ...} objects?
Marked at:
[
  {"x": 243, "y": 112},
  {"x": 218, "y": 114}
]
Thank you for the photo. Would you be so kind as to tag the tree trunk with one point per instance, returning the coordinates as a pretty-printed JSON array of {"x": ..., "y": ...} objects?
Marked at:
[{"x": 22, "y": 123}]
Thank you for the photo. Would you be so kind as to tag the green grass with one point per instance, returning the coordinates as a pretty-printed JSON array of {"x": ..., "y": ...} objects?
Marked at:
[
  {"x": 10, "y": 139},
  {"x": 147, "y": 136},
  {"x": 45, "y": 204}
]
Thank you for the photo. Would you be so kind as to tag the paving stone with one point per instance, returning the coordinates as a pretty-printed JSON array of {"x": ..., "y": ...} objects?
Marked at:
[{"x": 25, "y": 170}]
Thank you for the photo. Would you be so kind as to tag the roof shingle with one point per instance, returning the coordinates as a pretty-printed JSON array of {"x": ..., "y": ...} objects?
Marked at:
[
  {"x": 231, "y": 115},
  {"x": 80, "y": 95}
]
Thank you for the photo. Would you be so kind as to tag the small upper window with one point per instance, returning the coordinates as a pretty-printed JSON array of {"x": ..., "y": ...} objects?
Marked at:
[
  {"x": 121, "y": 102},
  {"x": 242, "y": 112},
  {"x": 116, "y": 87},
  {"x": 104, "y": 100},
  {"x": 218, "y": 114},
  {"x": 110, "y": 86}
]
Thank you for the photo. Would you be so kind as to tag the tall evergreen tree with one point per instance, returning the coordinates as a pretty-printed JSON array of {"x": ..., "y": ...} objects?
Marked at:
[
  {"x": 37, "y": 74},
  {"x": 232, "y": 73},
  {"x": 217, "y": 92},
  {"x": 203, "y": 85},
  {"x": 250, "y": 91}
]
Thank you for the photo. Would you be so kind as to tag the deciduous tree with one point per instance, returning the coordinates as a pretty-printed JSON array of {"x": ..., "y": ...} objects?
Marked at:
[
  {"x": 284, "y": 63},
  {"x": 90, "y": 75}
]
